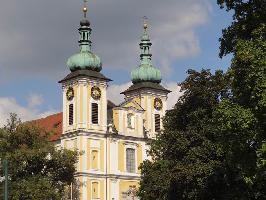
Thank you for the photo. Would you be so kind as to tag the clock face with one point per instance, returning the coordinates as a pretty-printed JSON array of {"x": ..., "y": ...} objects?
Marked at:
[
  {"x": 95, "y": 93},
  {"x": 70, "y": 94},
  {"x": 158, "y": 104}
]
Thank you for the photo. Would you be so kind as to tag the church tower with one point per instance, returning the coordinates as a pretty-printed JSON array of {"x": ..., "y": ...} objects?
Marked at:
[
  {"x": 84, "y": 89},
  {"x": 146, "y": 89},
  {"x": 113, "y": 139}
]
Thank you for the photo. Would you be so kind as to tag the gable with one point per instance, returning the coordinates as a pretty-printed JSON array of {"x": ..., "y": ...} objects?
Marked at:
[{"x": 131, "y": 104}]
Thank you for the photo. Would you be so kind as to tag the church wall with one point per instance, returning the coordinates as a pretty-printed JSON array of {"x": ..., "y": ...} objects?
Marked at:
[
  {"x": 88, "y": 107},
  {"x": 124, "y": 186},
  {"x": 121, "y": 163},
  {"x": 139, "y": 156},
  {"x": 81, "y": 106},
  {"x": 116, "y": 119}
]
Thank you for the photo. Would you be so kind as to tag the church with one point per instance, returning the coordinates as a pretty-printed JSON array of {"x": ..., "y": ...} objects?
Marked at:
[{"x": 113, "y": 139}]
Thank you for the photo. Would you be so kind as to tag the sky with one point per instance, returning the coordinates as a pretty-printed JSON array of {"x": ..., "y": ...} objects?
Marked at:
[{"x": 37, "y": 37}]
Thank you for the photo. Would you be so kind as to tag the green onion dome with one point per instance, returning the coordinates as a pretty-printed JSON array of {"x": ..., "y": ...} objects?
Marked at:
[
  {"x": 85, "y": 59},
  {"x": 146, "y": 72}
]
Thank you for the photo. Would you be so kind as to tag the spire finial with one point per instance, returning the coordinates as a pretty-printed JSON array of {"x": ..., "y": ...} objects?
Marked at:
[
  {"x": 146, "y": 72},
  {"x": 145, "y": 23},
  {"x": 85, "y": 9}
]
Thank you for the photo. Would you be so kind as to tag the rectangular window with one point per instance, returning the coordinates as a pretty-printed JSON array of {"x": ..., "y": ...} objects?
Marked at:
[
  {"x": 130, "y": 160},
  {"x": 95, "y": 192},
  {"x": 130, "y": 120},
  {"x": 157, "y": 123},
  {"x": 70, "y": 114},
  {"x": 95, "y": 158},
  {"x": 94, "y": 113}
]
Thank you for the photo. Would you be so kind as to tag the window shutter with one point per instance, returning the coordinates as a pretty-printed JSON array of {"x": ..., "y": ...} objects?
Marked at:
[
  {"x": 70, "y": 114},
  {"x": 94, "y": 113},
  {"x": 157, "y": 123}
]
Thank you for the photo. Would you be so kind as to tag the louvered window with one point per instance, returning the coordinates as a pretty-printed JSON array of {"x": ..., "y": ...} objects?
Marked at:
[
  {"x": 70, "y": 114},
  {"x": 157, "y": 122},
  {"x": 94, "y": 113},
  {"x": 130, "y": 160}
]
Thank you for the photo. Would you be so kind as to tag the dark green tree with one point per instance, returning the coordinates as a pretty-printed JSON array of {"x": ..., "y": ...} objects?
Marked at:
[
  {"x": 248, "y": 16},
  {"x": 37, "y": 170},
  {"x": 184, "y": 155},
  {"x": 213, "y": 145},
  {"x": 246, "y": 39}
]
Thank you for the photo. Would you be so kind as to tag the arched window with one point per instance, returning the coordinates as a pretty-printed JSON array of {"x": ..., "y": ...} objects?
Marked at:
[
  {"x": 94, "y": 113},
  {"x": 130, "y": 160},
  {"x": 157, "y": 123},
  {"x": 70, "y": 114}
]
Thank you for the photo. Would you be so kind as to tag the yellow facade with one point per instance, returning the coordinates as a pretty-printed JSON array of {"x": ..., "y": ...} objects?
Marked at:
[
  {"x": 125, "y": 185},
  {"x": 112, "y": 150},
  {"x": 104, "y": 162}
]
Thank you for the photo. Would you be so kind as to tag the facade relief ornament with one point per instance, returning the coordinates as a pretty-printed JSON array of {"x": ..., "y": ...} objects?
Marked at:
[
  {"x": 95, "y": 93},
  {"x": 70, "y": 93},
  {"x": 158, "y": 104}
]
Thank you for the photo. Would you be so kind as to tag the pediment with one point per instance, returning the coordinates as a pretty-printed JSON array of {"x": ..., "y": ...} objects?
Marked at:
[{"x": 131, "y": 104}]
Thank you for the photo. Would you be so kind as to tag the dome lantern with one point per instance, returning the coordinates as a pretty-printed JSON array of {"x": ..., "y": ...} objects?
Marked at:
[{"x": 85, "y": 59}]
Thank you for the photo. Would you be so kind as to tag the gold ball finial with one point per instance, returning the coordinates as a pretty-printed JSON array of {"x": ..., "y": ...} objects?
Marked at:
[
  {"x": 145, "y": 23},
  {"x": 85, "y": 9}
]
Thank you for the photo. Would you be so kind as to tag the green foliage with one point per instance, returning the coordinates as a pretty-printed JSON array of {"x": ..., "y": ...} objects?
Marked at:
[
  {"x": 258, "y": 182},
  {"x": 37, "y": 170},
  {"x": 183, "y": 153},
  {"x": 213, "y": 145},
  {"x": 248, "y": 15},
  {"x": 234, "y": 130},
  {"x": 248, "y": 71}
]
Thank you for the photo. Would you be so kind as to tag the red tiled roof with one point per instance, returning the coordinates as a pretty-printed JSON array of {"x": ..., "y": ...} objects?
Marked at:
[{"x": 52, "y": 123}]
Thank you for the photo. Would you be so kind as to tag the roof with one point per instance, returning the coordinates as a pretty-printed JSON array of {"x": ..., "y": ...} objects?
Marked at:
[
  {"x": 145, "y": 85},
  {"x": 85, "y": 73},
  {"x": 52, "y": 123},
  {"x": 110, "y": 105}
]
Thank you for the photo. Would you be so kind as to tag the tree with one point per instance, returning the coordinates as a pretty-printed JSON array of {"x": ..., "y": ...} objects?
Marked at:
[
  {"x": 233, "y": 128},
  {"x": 37, "y": 170},
  {"x": 213, "y": 145},
  {"x": 248, "y": 16},
  {"x": 183, "y": 155},
  {"x": 258, "y": 182},
  {"x": 246, "y": 39}
]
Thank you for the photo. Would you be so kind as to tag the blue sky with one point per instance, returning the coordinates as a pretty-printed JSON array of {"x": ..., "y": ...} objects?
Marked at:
[{"x": 37, "y": 38}]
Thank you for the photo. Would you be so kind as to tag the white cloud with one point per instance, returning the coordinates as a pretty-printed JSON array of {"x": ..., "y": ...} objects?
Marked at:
[
  {"x": 35, "y": 100},
  {"x": 114, "y": 95},
  {"x": 114, "y": 90},
  {"x": 174, "y": 95},
  {"x": 10, "y": 105}
]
